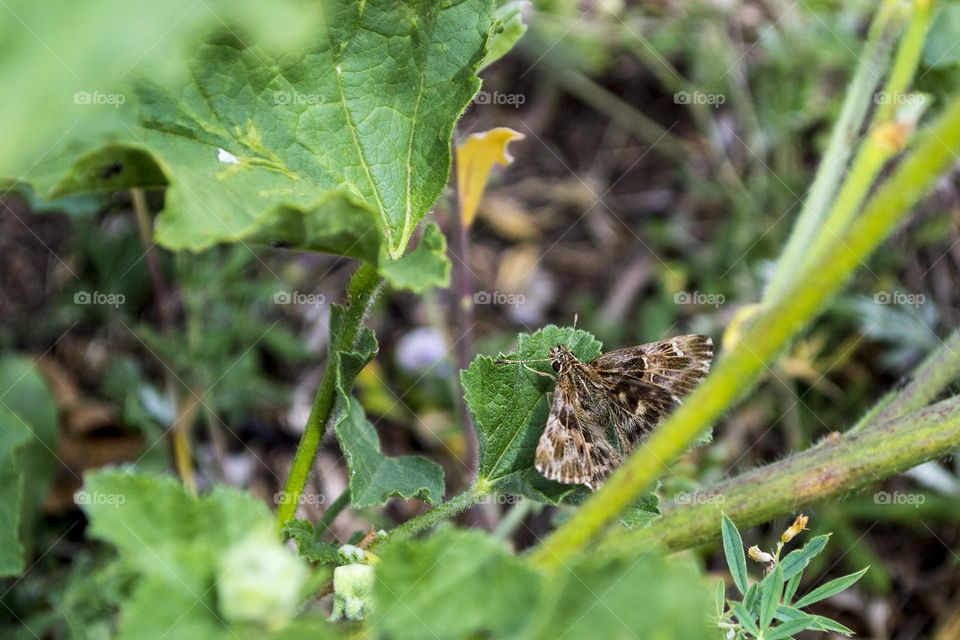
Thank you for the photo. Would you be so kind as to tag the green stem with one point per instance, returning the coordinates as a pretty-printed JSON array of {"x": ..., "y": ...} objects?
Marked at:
[
  {"x": 362, "y": 290},
  {"x": 885, "y": 140},
  {"x": 331, "y": 514},
  {"x": 839, "y": 466},
  {"x": 886, "y": 24},
  {"x": 737, "y": 371},
  {"x": 926, "y": 382},
  {"x": 443, "y": 511}
]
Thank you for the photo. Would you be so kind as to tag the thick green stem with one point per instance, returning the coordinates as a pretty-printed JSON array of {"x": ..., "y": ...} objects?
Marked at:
[
  {"x": 873, "y": 62},
  {"x": 840, "y": 465},
  {"x": 361, "y": 292},
  {"x": 737, "y": 370}
]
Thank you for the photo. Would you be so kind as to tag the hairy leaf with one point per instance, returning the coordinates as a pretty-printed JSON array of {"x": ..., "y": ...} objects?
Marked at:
[
  {"x": 650, "y": 597},
  {"x": 509, "y": 407},
  {"x": 374, "y": 477},
  {"x": 28, "y": 436},
  {"x": 456, "y": 583}
]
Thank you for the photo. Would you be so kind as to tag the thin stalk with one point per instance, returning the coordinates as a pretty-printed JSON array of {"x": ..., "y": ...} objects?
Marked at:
[
  {"x": 927, "y": 381},
  {"x": 331, "y": 514},
  {"x": 738, "y": 370},
  {"x": 361, "y": 292},
  {"x": 841, "y": 465},
  {"x": 443, "y": 511},
  {"x": 885, "y": 139},
  {"x": 873, "y": 61}
]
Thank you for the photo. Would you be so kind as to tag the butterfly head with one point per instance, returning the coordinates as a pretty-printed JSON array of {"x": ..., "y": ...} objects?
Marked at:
[{"x": 562, "y": 357}]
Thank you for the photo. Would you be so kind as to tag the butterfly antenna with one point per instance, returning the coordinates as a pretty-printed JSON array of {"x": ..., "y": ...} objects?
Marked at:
[{"x": 505, "y": 361}]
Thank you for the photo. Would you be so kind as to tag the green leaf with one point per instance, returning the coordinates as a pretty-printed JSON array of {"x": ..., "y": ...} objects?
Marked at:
[
  {"x": 456, "y": 583},
  {"x": 308, "y": 546},
  {"x": 357, "y": 128},
  {"x": 426, "y": 267},
  {"x": 719, "y": 598},
  {"x": 83, "y": 96},
  {"x": 826, "y": 590},
  {"x": 746, "y": 619},
  {"x": 797, "y": 561},
  {"x": 789, "y": 628},
  {"x": 826, "y": 624},
  {"x": 201, "y": 558},
  {"x": 374, "y": 477},
  {"x": 771, "y": 589},
  {"x": 940, "y": 47},
  {"x": 643, "y": 512},
  {"x": 733, "y": 551},
  {"x": 509, "y": 408},
  {"x": 649, "y": 596},
  {"x": 791, "y": 588},
  {"x": 507, "y": 30},
  {"x": 28, "y": 438}
]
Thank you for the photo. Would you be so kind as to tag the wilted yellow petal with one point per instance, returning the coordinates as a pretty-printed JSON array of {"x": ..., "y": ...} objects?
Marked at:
[{"x": 475, "y": 158}]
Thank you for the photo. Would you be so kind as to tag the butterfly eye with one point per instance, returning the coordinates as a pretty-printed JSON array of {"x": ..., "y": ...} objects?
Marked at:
[{"x": 556, "y": 366}]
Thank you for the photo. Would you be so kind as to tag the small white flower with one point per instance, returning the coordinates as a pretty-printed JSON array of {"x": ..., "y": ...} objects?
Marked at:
[
  {"x": 351, "y": 553},
  {"x": 352, "y": 591}
]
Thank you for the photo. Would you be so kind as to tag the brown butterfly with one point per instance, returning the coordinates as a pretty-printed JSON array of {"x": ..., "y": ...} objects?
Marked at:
[{"x": 600, "y": 410}]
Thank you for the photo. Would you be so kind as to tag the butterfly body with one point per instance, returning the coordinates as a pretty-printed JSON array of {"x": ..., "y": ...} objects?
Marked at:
[{"x": 600, "y": 410}]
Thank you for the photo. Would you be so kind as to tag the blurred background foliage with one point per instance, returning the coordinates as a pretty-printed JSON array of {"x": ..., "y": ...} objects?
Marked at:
[{"x": 668, "y": 146}]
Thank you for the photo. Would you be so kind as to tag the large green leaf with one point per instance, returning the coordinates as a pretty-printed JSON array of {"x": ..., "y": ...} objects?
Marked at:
[
  {"x": 509, "y": 407},
  {"x": 196, "y": 559},
  {"x": 649, "y": 596},
  {"x": 28, "y": 436},
  {"x": 341, "y": 148},
  {"x": 86, "y": 52},
  {"x": 374, "y": 477},
  {"x": 455, "y": 584}
]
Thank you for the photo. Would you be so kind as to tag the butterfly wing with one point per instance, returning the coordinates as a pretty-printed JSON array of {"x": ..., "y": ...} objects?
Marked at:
[
  {"x": 571, "y": 451},
  {"x": 647, "y": 382}
]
